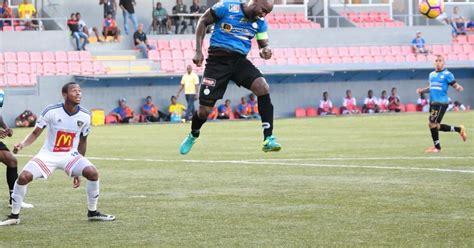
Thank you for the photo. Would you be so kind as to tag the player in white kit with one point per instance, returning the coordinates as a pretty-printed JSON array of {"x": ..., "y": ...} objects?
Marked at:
[{"x": 68, "y": 125}]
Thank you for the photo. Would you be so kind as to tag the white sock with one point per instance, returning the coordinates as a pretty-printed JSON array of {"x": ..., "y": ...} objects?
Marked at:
[
  {"x": 92, "y": 188},
  {"x": 19, "y": 192}
]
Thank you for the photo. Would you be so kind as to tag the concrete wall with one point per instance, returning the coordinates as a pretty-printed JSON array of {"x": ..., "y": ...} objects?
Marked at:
[
  {"x": 36, "y": 41},
  {"x": 288, "y": 91}
]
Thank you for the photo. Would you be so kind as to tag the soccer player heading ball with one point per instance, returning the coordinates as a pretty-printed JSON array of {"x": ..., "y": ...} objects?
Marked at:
[
  {"x": 64, "y": 148},
  {"x": 235, "y": 25},
  {"x": 439, "y": 81}
]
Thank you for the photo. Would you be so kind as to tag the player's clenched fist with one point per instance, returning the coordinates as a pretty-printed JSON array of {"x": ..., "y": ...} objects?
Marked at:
[
  {"x": 266, "y": 53},
  {"x": 198, "y": 59},
  {"x": 17, "y": 148}
]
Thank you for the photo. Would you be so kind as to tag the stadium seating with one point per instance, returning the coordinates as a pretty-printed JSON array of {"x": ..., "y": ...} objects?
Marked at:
[
  {"x": 371, "y": 19},
  {"x": 289, "y": 20},
  {"x": 300, "y": 112}
]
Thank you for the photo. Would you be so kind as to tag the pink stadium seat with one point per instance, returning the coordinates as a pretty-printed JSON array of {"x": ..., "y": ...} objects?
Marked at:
[
  {"x": 467, "y": 48},
  {"x": 395, "y": 50},
  {"x": 271, "y": 61},
  {"x": 49, "y": 69},
  {"x": 437, "y": 49},
  {"x": 332, "y": 52},
  {"x": 167, "y": 65},
  {"x": 462, "y": 39},
  {"x": 179, "y": 65},
  {"x": 364, "y": 51},
  {"x": 300, "y": 112},
  {"x": 175, "y": 44},
  {"x": 163, "y": 45},
  {"x": 457, "y": 48},
  {"x": 153, "y": 55},
  {"x": 189, "y": 54},
  {"x": 87, "y": 68},
  {"x": 1, "y": 58},
  {"x": 36, "y": 57},
  {"x": 389, "y": 59},
  {"x": 12, "y": 80},
  {"x": 153, "y": 43},
  {"x": 165, "y": 54},
  {"x": 2, "y": 69},
  {"x": 292, "y": 61},
  {"x": 186, "y": 44},
  {"x": 305, "y": 61},
  {"x": 74, "y": 68},
  {"x": 7, "y": 28},
  {"x": 407, "y": 50},
  {"x": 385, "y": 50},
  {"x": 98, "y": 68},
  {"x": 2, "y": 81},
  {"x": 290, "y": 53},
  {"x": 316, "y": 60},
  {"x": 85, "y": 56},
  {"x": 281, "y": 61},
  {"x": 295, "y": 25},
  {"x": 10, "y": 57},
  {"x": 389, "y": 24},
  {"x": 343, "y": 51},
  {"x": 23, "y": 57},
  {"x": 73, "y": 56},
  {"x": 278, "y": 53},
  {"x": 273, "y": 25},
  {"x": 346, "y": 60},
  {"x": 300, "y": 52},
  {"x": 354, "y": 51},
  {"x": 48, "y": 57},
  {"x": 336, "y": 60},
  {"x": 452, "y": 57},
  {"x": 177, "y": 54},
  {"x": 378, "y": 59},
  {"x": 410, "y": 58},
  {"x": 62, "y": 68},
  {"x": 375, "y": 51},
  {"x": 24, "y": 67},
  {"x": 463, "y": 57},
  {"x": 368, "y": 59},
  {"x": 19, "y": 28},
  {"x": 312, "y": 51},
  {"x": 311, "y": 112},
  {"x": 421, "y": 58},
  {"x": 369, "y": 24},
  {"x": 23, "y": 80},
  {"x": 400, "y": 58},
  {"x": 61, "y": 56},
  {"x": 12, "y": 68},
  {"x": 33, "y": 79},
  {"x": 36, "y": 68},
  {"x": 258, "y": 62},
  {"x": 305, "y": 25},
  {"x": 447, "y": 49},
  {"x": 471, "y": 56},
  {"x": 357, "y": 59}
]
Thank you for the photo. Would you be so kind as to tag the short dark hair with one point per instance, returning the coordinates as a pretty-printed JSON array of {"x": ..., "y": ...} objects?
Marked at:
[
  {"x": 65, "y": 88},
  {"x": 148, "y": 97}
]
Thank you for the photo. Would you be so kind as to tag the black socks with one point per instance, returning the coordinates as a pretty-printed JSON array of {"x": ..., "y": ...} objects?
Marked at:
[
  {"x": 448, "y": 128},
  {"x": 197, "y": 124},
  {"x": 435, "y": 136},
  {"x": 265, "y": 108},
  {"x": 12, "y": 175}
]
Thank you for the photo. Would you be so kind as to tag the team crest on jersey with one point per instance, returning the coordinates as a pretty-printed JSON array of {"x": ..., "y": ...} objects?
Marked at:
[
  {"x": 209, "y": 81},
  {"x": 234, "y": 8},
  {"x": 80, "y": 123},
  {"x": 226, "y": 27},
  {"x": 254, "y": 25}
]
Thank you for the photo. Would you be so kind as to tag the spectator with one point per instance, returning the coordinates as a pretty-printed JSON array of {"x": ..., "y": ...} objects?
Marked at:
[
  {"x": 110, "y": 6},
  {"x": 253, "y": 106},
  {"x": 423, "y": 104},
  {"x": 225, "y": 111},
  {"x": 5, "y": 12},
  {"x": 394, "y": 101},
  {"x": 124, "y": 113},
  {"x": 36, "y": 24},
  {"x": 383, "y": 102},
  {"x": 213, "y": 114},
  {"x": 370, "y": 104},
  {"x": 110, "y": 28},
  {"x": 26, "y": 119},
  {"x": 26, "y": 10},
  {"x": 150, "y": 111},
  {"x": 128, "y": 13},
  {"x": 176, "y": 110},
  {"x": 161, "y": 23},
  {"x": 83, "y": 27},
  {"x": 76, "y": 33},
  {"x": 179, "y": 8},
  {"x": 139, "y": 37},
  {"x": 418, "y": 44},
  {"x": 190, "y": 84},
  {"x": 195, "y": 9},
  {"x": 244, "y": 109},
  {"x": 457, "y": 106},
  {"x": 325, "y": 105},
  {"x": 459, "y": 22},
  {"x": 349, "y": 104}
]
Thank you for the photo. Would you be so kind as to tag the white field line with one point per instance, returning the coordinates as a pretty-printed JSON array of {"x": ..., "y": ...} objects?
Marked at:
[
  {"x": 359, "y": 158},
  {"x": 275, "y": 162}
]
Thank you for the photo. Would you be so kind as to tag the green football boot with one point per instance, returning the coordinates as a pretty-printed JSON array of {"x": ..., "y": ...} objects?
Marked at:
[
  {"x": 187, "y": 144},
  {"x": 270, "y": 145}
]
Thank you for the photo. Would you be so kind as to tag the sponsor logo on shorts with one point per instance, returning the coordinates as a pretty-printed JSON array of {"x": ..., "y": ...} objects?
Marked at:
[
  {"x": 235, "y": 8},
  {"x": 64, "y": 141},
  {"x": 209, "y": 81}
]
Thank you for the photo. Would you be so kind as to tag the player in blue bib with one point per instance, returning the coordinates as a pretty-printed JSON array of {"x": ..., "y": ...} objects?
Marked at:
[
  {"x": 439, "y": 82},
  {"x": 235, "y": 25}
]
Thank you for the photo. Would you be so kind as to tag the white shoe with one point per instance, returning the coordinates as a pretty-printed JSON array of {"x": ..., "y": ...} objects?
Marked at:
[
  {"x": 23, "y": 205},
  {"x": 10, "y": 221}
]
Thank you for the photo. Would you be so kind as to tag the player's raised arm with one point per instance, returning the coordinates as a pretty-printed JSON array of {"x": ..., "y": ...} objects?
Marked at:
[
  {"x": 205, "y": 20},
  {"x": 29, "y": 139},
  {"x": 457, "y": 86}
]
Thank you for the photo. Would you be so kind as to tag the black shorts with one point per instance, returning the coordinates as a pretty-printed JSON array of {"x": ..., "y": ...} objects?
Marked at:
[
  {"x": 222, "y": 68},
  {"x": 437, "y": 111},
  {"x": 3, "y": 147}
]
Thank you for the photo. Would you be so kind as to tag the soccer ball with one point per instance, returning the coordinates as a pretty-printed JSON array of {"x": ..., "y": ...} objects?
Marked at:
[{"x": 431, "y": 8}]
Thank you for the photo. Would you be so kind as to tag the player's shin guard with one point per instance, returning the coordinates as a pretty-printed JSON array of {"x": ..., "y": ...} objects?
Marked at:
[
  {"x": 448, "y": 128},
  {"x": 92, "y": 189},
  {"x": 19, "y": 192},
  {"x": 12, "y": 175},
  {"x": 265, "y": 108},
  {"x": 435, "y": 137},
  {"x": 197, "y": 124}
]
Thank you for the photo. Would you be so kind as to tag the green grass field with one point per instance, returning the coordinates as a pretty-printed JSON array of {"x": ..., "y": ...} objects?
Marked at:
[{"x": 342, "y": 181}]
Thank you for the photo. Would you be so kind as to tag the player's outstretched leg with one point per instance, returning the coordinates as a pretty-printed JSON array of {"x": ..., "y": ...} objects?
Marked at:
[
  {"x": 196, "y": 124},
  {"x": 19, "y": 192},
  {"x": 92, "y": 188},
  {"x": 10, "y": 161},
  {"x": 265, "y": 108},
  {"x": 435, "y": 136},
  {"x": 461, "y": 130}
]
